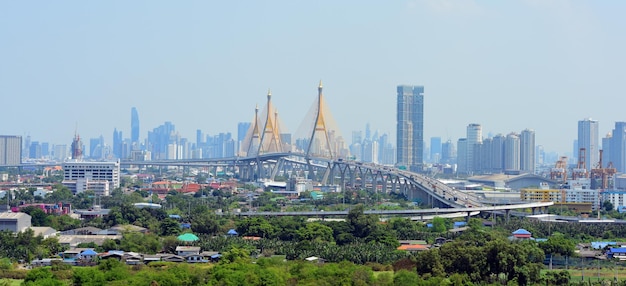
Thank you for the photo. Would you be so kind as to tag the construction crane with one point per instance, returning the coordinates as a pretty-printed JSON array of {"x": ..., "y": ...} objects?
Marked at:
[
  {"x": 581, "y": 170},
  {"x": 602, "y": 174},
  {"x": 559, "y": 172}
]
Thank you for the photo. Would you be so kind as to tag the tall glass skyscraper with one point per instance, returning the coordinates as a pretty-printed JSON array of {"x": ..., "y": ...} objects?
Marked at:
[
  {"x": 134, "y": 126},
  {"x": 588, "y": 138},
  {"x": 410, "y": 127},
  {"x": 616, "y": 147}
]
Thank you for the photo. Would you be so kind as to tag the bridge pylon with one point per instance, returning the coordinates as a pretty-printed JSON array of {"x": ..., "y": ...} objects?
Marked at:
[
  {"x": 270, "y": 137},
  {"x": 324, "y": 140},
  {"x": 252, "y": 140}
]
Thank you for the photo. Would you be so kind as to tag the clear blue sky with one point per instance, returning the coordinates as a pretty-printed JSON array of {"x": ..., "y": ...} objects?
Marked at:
[{"x": 507, "y": 65}]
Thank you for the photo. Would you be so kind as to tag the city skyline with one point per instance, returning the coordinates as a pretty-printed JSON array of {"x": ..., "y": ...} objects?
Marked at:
[{"x": 208, "y": 64}]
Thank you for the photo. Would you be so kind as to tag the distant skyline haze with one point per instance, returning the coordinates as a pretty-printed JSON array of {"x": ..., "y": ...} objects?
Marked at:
[{"x": 506, "y": 65}]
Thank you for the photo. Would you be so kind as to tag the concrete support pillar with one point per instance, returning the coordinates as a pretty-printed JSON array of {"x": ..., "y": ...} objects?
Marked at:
[{"x": 506, "y": 216}]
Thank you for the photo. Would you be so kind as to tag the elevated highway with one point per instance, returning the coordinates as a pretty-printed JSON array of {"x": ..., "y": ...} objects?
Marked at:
[
  {"x": 411, "y": 212},
  {"x": 345, "y": 173}
]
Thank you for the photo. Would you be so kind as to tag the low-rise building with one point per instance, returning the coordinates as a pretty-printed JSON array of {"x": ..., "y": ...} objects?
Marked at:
[{"x": 15, "y": 222}]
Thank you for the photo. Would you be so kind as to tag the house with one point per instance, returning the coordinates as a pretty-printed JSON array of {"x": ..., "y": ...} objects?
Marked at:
[
  {"x": 521, "y": 234},
  {"x": 44, "y": 262},
  {"x": 314, "y": 259},
  {"x": 195, "y": 258},
  {"x": 113, "y": 254},
  {"x": 617, "y": 252},
  {"x": 147, "y": 258},
  {"x": 187, "y": 250},
  {"x": 89, "y": 230},
  {"x": 172, "y": 258},
  {"x": 413, "y": 247},
  {"x": 88, "y": 255}
]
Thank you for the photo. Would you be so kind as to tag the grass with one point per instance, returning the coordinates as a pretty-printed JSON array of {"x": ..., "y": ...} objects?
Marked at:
[
  {"x": 593, "y": 274},
  {"x": 12, "y": 282}
]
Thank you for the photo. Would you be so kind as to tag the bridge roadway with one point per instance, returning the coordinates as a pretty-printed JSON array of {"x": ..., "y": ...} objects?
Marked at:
[
  {"x": 411, "y": 183},
  {"x": 435, "y": 211}
]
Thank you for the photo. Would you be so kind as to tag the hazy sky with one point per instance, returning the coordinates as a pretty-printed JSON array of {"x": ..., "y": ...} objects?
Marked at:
[{"x": 508, "y": 65}]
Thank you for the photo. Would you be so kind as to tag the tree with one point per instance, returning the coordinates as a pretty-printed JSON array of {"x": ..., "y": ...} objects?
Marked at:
[
  {"x": 256, "y": 226},
  {"x": 315, "y": 231},
  {"x": 38, "y": 216},
  {"x": 235, "y": 254},
  {"x": 440, "y": 224},
  {"x": 169, "y": 227},
  {"x": 362, "y": 225},
  {"x": 607, "y": 206},
  {"x": 557, "y": 243}
]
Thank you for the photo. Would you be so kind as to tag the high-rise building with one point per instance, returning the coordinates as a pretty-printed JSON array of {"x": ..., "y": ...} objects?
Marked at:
[
  {"x": 512, "y": 152},
  {"x": 474, "y": 138},
  {"x": 45, "y": 150},
  {"x": 435, "y": 149},
  {"x": 588, "y": 138},
  {"x": 117, "y": 143},
  {"x": 447, "y": 152},
  {"x": 617, "y": 147},
  {"x": 10, "y": 150},
  {"x": 461, "y": 156},
  {"x": 35, "y": 150},
  {"x": 410, "y": 127},
  {"x": 242, "y": 129},
  {"x": 100, "y": 177},
  {"x": 77, "y": 148},
  {"x": 60, "y": 152},
  {"x": 497, "y": 153},
  {"x": 159, "y": 140},
  {"x": 134, "y": 128},
  {"x": 527, "y": 151}
]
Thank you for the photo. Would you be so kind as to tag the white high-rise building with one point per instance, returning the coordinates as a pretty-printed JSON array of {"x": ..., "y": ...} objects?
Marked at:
[
  {"x": 588, "y": 138},
  {"x": 474, "y": 138},
  {"x": 99, "y": 177}
]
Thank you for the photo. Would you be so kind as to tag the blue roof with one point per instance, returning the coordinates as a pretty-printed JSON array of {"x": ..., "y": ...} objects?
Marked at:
[
  {"x": 232, "y": 232},
  {"x": 459, "y": 223},
  {"x": 617, "y": 250},
  {"x": 521, "y": 231},
  {"x": 216, "y": 255},
  {"x": 601, "y": 244},
  {"x": 174, "y": 216},
  {"x": 89, "y": 252}
]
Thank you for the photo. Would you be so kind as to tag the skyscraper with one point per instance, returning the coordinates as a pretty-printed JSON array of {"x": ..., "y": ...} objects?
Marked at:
[
  {"x": 497, "y": 153},
  {"x": 512, "y": 152},
  {"x": 447, "y": 152},
  {"x": 435, "y": 149},
  {"x": 10, "y": 150},
  {"x": 461, "y": 155},
  {"x": 527, "y": 151},
  {"x": 588, "y": 138},
  {"x": 474, "y": 138},
  {"x": 117, "y": 143},
  {"x": 134, "y": 128},
  {"x": 242, "y": 129},
  {"x": 617, "y": 149},
  {"x": 410, "y": 127}
]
